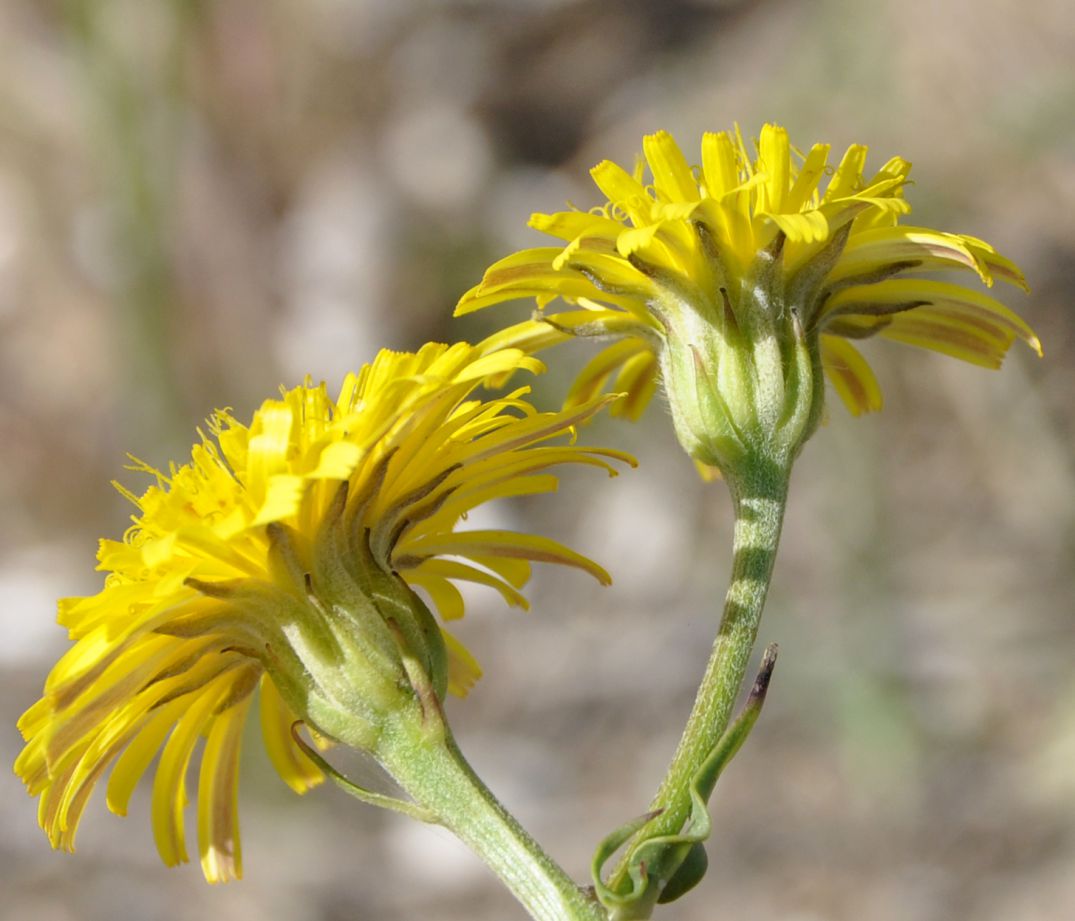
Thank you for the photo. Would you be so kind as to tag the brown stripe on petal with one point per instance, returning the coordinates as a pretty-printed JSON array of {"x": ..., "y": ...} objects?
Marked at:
[
  {"x": 193, "y": 654},
  {"x": 64, "y": 691},
  {"x": 198, "y": 682},
  {"x": 284, "y": 560},
  {"x": 853, "y": 383},
  {"x": 224, "y": 590},
  {"x": 65, "y": 799},
  {"x": 603, "y": 286},
  {"x": 229, "y": 623},
  {"x": 405, "y": 523},
  {"x": 988, "y": 353},
  {"x": 496, "y": 278},
  {"x": 987, "y": 323},
  {"x": 598, "y": 245},
  {"x": 871, "y": 309},
  {"x": 64, "y": 695},
  {"x": 370, "y": 484},
  {"x": 850, "y": 330},
  {"x": 51, "y": 807},
  {"x": 218, "y": 820},
  {"x": 596, "y": 571},
  {"x": 407, "y": 510},
  {"x": 1010, "y": 274},
  {"x": 996, "y": 329},
  {"x": 805, "y": 282},
  {"x": 707, "y": 239},
  {"x": 557, "y": 423},
  {"x": 872, "y": 277},
  {"x": 242, "y": 687},
  {"x": 541, "y": 556},
  {"x": 71, "y": 724},
  {"x": 76, "y": 805},
  {"x": 419, "y": 493},
  {"x": 76, "y": 796}
]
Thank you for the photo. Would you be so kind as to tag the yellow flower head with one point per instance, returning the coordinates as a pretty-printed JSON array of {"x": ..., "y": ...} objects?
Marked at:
[
  {"x": 281, "y": 559},
  {"x": 735, "y": 277}
]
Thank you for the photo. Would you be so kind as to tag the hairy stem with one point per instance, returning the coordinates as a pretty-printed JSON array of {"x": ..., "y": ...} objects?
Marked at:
[
  {"x": 441, "y": 781},
  {"x": 759, "y": 501}
]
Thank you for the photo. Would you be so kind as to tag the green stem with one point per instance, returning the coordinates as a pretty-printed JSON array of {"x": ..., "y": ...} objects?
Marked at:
[
  {"x": 759, "y": 500},
  {"x": 430, "y": 767}
]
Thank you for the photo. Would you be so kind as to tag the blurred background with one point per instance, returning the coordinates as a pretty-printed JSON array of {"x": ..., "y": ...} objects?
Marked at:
[{"x": 200, "y": 201}]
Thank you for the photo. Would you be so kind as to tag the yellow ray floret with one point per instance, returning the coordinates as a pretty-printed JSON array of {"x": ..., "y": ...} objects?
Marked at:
[
  {"x": 162, "y": 663},
  {"x": 698, "y": 234}
]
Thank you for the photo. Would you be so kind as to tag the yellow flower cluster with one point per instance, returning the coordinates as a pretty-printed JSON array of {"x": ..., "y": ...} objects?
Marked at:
[
  {"x": 161, "y": 659},
  {"x": 280, "y": 564},
  {"x": 697, "y": 240}
]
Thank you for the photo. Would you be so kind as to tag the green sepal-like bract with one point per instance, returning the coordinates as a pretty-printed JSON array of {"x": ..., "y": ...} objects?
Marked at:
[{"x": 663, "y": 868}]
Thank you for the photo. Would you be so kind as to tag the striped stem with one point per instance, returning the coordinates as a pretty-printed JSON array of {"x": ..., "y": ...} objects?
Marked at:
[{"x": 759, "y": 502}]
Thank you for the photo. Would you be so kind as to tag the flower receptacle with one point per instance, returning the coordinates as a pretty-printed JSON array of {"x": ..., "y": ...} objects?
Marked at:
[
  {"x": 742, "y": 375},
  {"x": 357, "y": 646}
]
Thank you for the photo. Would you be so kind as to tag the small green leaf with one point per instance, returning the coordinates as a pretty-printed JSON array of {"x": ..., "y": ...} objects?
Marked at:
[{"x": 688, "y": 875}]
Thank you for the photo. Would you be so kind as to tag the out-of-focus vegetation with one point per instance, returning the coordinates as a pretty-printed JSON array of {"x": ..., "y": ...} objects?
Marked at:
[{"x": 202, "y": 200}]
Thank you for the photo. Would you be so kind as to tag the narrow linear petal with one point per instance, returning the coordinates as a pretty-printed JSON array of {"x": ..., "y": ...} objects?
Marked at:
[
  {"x": 447, "y": 599},
  {"x": 847, "y": 180},
  {"x": 806, "y": 183},
  {"x": 594, "y": 376},
  {"x": 169, "y": 784},
  {"x": 497, "y": 543},
  {"x": 637, "y": 379},
  {"x": 572, "y": 225},
  {"x": 850, "y": 375},
  {"x": 672, "y": 176},
  {"x": 463, "y": 669},
  {"x": 454, "y": 569},
  {"x": 136, "y": 758},
  {"x": 972, "y": 309},
  {"x": 774, "y": 161},
  {"x": 974, "y": 341},
  {"x": 218, "y": 796},
  {"x": 291, "y": 763},
  {"x": 623, "y": 191},
  {"x": 720, "y": 164}
]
